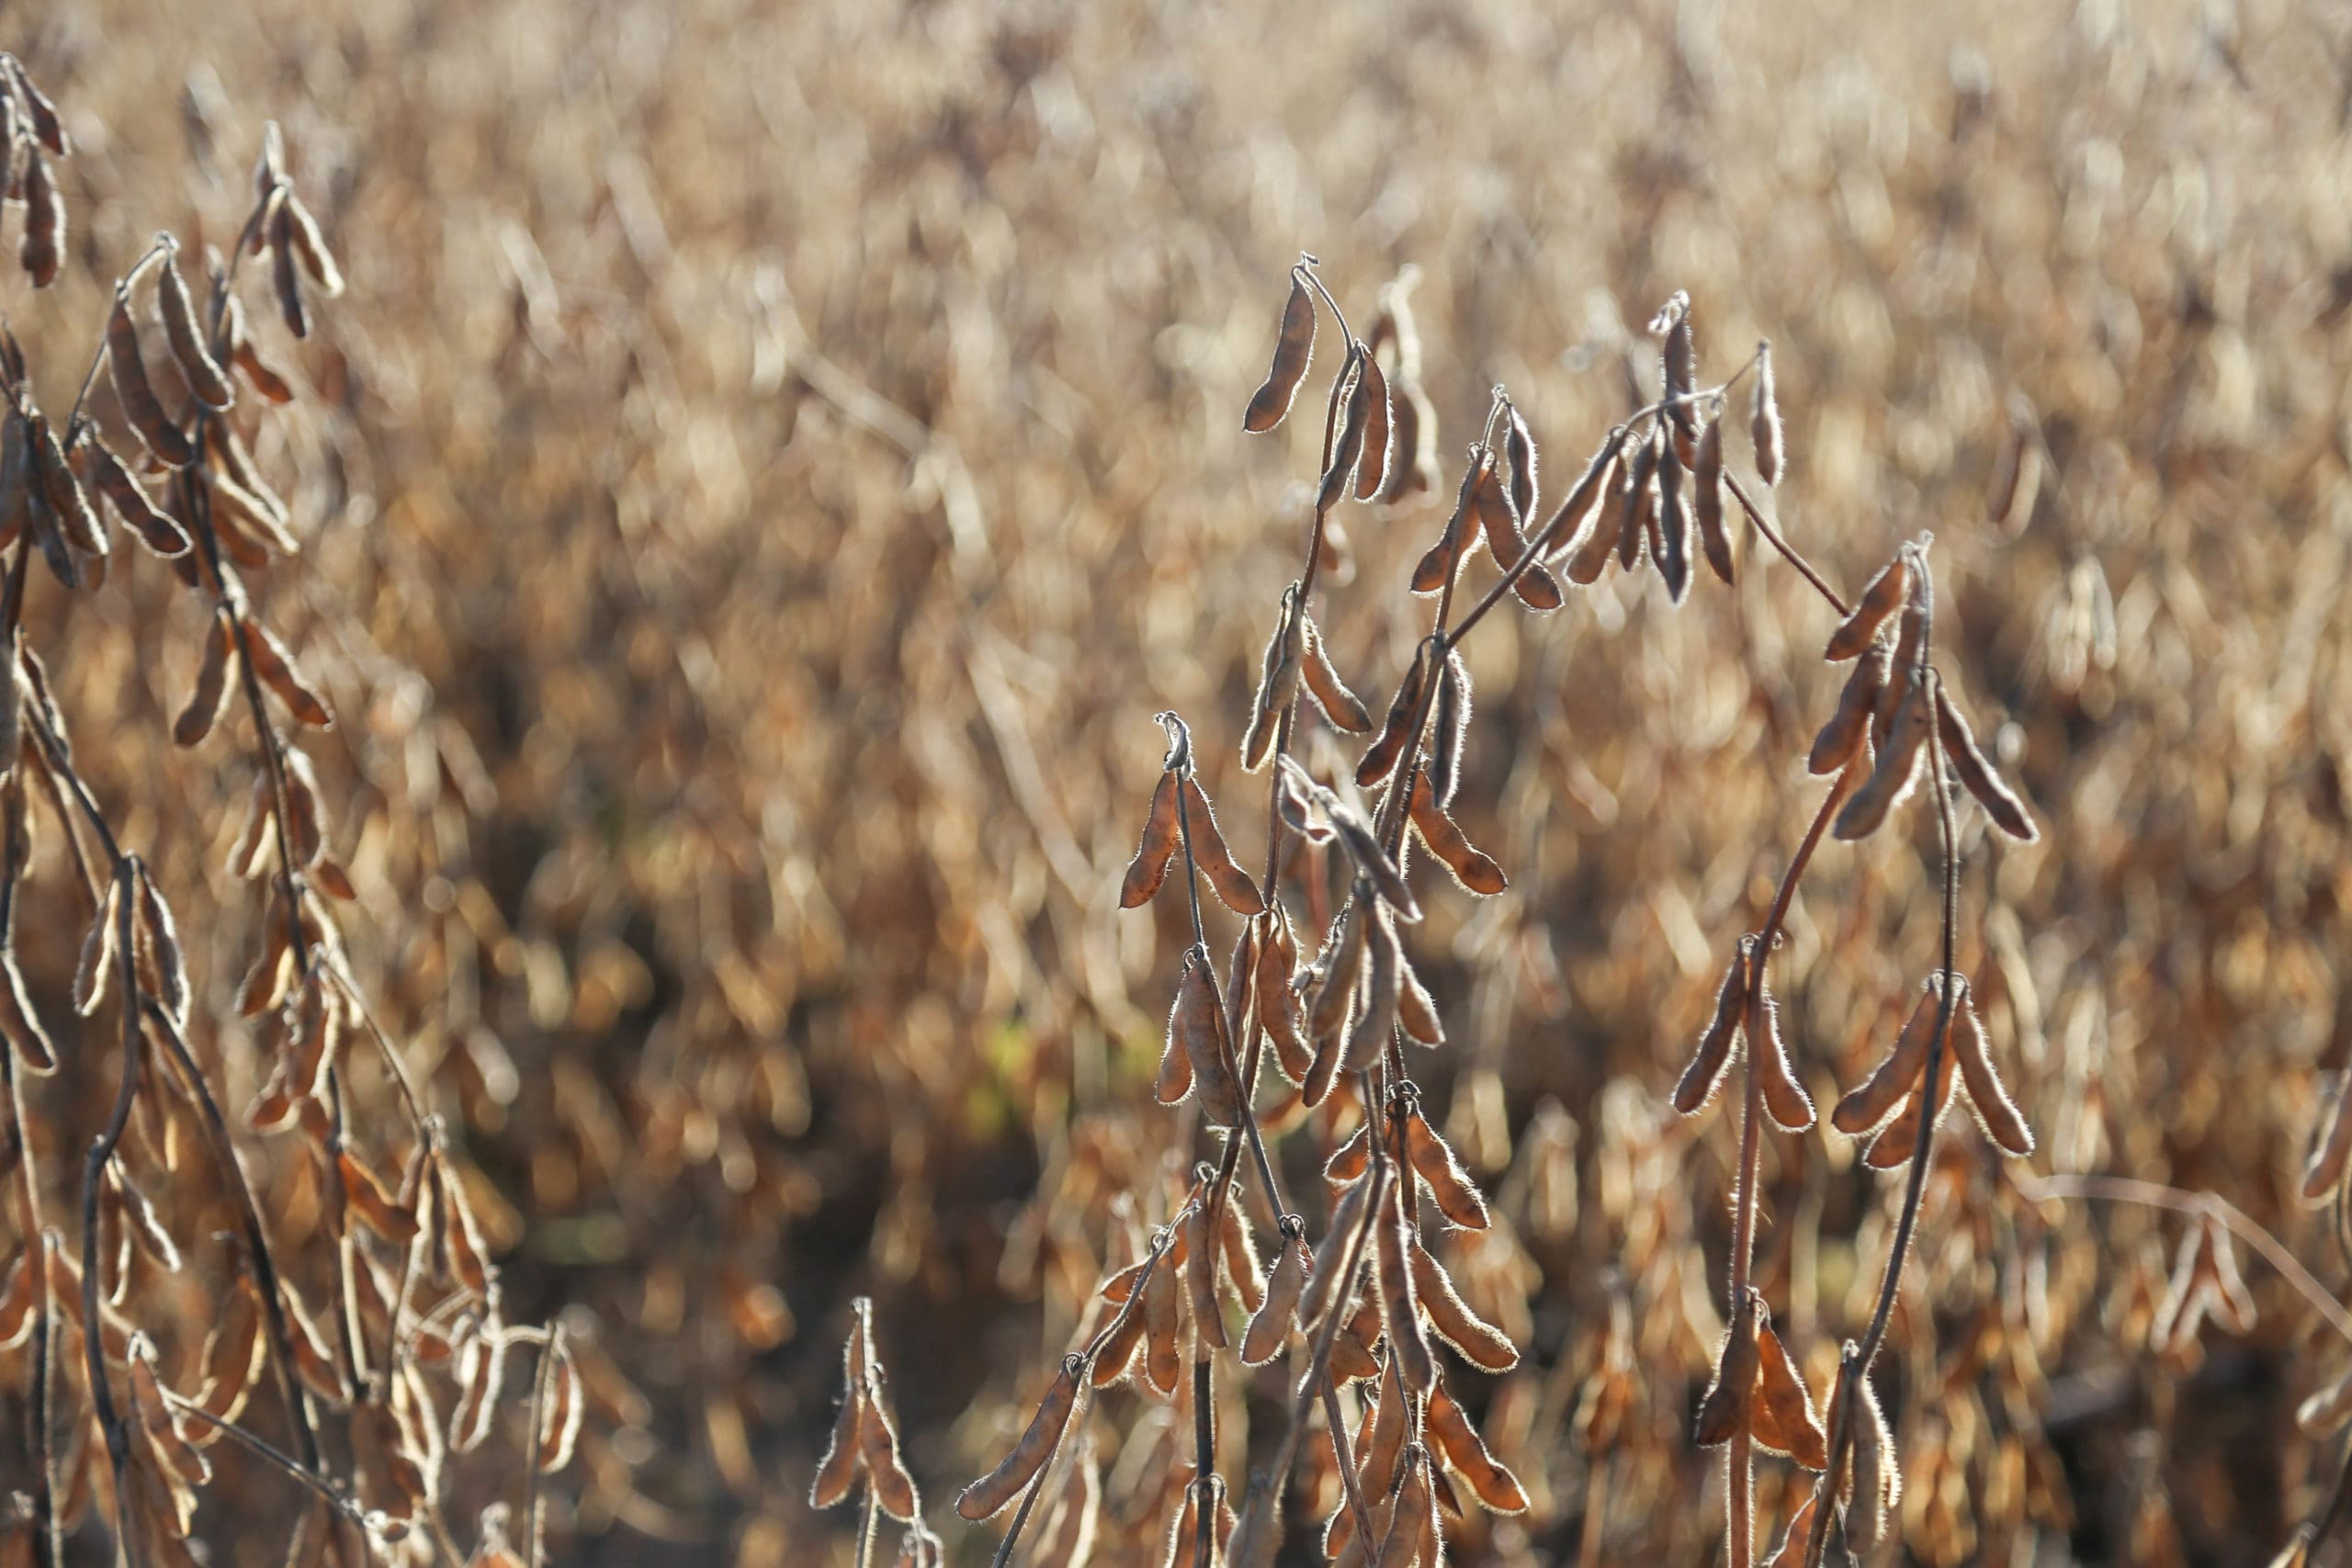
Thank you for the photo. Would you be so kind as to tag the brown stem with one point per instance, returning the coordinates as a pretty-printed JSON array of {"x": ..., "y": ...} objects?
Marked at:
[
  {"x": 1772, "y": 537},
  {"x": 102, "y": 1150}
]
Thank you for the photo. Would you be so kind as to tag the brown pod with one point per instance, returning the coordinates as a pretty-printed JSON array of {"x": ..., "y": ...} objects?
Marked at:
[
  {"x": 1473, "y": 869},
  {"x": 1350, "y": 1160},
  {"x": 1764, "y": 421},
  {"x": 1518, "y": 452},
  {"x": 1199, "y": 1016},
  {"x": 1294, "y": 350},
  {"x": 1413, "y": 1518},
  {"x": 1176, "y": 1065},
  {"x": 1673, "y": 526},
  {"x": 1278, "y": 1009},
  {"x": 1233, "y": 885},
  {"x": 276, "y": 668},
  {"x": 145, "y": 410},
  {"x": 311, "y": 247},
  {"x": 1463, "y": 531},
  {"x": 1375, "y": 1020},
  {"x": 894, "y": 1489},
  {"x": 1727, "y": 1409},
  {"x": 2325, "y": 1171},
  {"x": 69, "y": 506},
  {"x": 1343, "y": 707},
  {"x": 1785, "y": 1419},
  {"x": 206, "y": 704},
  {"x": 1452, "y": 728},
  {"x": 1242, "y": 1269},
  {"x": 1161, "y": 836},
  {"x": 1841, "y": 738},
  {"x": 1347, "y": 452},
  {"x": 284, "y": 272},
  {"x": 160, "y": 531},
  {"x": 258, "y": 373},
  {"x": 1200, "y": 1281},
  {"x": 1415, "y": 1010},
  {"x": 1499, "y": 520},
  {"x": 203, "y": 374},
  {"x": 1975, "y": 773},
  {"x": 1707, "y": 502},
  {"x": 1269, "y": 1328},
  {"x": 990, "y": 1492},
  {"x": 1432, "y": 1158},
  {"x": 1481, "y": 1344},
  {"x": 1891, "y": 778},
  {"x": 1118, "y": 1352},
  {"x": 1899, "y": 1140},
  {"x": 1870, "y": 1102},
  {"x": 1639, "y": 514},
  {"x": 1597, "y": 533},
  {"x": 1342, "y": 962},
  {"x": 1396, "y": 731},
  {"x": 1379, "y": 426},
  {"x": 1887, "y": 592},
  {"x": 16, "y": 473},
  {"x": 1497, "y": 1488},
  {"x": 47, "y": 130},
  {"x": 44, "y": 223},
  {"x": 1677, "y": 359},
  {"x": 1713, "y": 1055},
  {"x": 1784, "y": 1097},
  {"x": 1278, "y": 675},
  {"x": 1997, "y": 1114},
  {"x": 1159, "y": 1326},
  {"x": 1412, "y": 440},
  {"x": 1323, "y": 1284},
  {"x": 1381, "y": 1460},
  {"x": 1400, "y": 1316},
  {"x": 1567, "y": 531},
  {"x": 1874, "y": 1484}
]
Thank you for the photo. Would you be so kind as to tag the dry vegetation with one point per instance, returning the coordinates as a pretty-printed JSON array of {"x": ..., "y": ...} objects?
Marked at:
[{"x": 766, "y": 472}]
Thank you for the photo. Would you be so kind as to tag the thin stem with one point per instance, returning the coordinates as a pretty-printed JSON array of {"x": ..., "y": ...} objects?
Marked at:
[
  {"x": 1788, "y": 552},
  {"x": 867, "y": 1527},
  {"x": 102, "y": 1151}
]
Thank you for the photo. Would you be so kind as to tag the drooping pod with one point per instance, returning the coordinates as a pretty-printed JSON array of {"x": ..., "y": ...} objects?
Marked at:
[{"x": 1293, "y": 349}]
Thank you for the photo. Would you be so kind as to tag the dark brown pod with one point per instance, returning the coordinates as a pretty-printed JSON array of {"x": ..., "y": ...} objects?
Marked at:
[
  {"x": 1161, "y": 838},
  {"x": 145, "y": 410},
  {"x": 1713, "y": 1055},
  {"x": 1970, "y": 765},
  {"x": 159, "y": 530},
  {"x": 1784, "y": 1097},
  {"x": 1233, "y": 885},
  {"x": 40, "y": 251},
  {"x": 1725, "y": 1412},
  {"x": 1673, "y": 526},
  {"x": 1997, "y": 1114},
  {"x": 1871, "y": 1101},
  {"x": 276, "y": 668},
  {"x": 1293, "y": 349},
  {"x": 1707, "y": 500},
  {"x": 1499, "y": 518},
  {"x": 1341, "y": 707},
  {"x": 1398, "y": 731},
  {"x": 1324, "y": 1288},
  {"x": 1439, "y": 563},
  {"x": 204, "y": 375},
  {"x": 1841, "y": 738},
  {"x": 1400, "y": 1316},
  {"x": 284, "y": 273},
  {"x": 1278, "y": 676},
  {"x": 1378, "y": 446},
  {"x": 1764, "y": 422},
  {"x": 1433, "y": 1161},
  {"x": 1347, "y": 452},
  {"x": 1887, "y": 592},
  {"x": 999, "y": 1486},
  {"x": 1452, "y": 727},
  {"x": 1891, "y": 779}
]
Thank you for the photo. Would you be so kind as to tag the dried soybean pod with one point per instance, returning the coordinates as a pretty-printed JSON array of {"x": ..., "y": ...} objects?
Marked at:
[
  {"x": 311, "y": 247},
  {"x": 1269, "y": 1328},
  {"x": 1674, "y": 526},
  {"x": 1160, "y": 1318},
  {"x": 1176, "y": 1070},
  {"x": 1200, "y": 1282},
  {"x": 1892, "y": 777},
  {"x": 1482, "y": 1345},
  {"x": 1376, "y": 1021},
  {"x": 1293, "y": 352},
  {"x": 1324, "y": 1288},
  {"x": 1500, "y": 519},
  {"x": 1519, "y": 451},
  {"x": 1785, "y": 1420},
  {"x": 44, "y": 223},
  {"x": 1118, "y": 1352},
  {"x": 284, "y": 273},
  {"x": 204, "y": 375},
  {"x": 1474, "y": 869},
  {"x": 1713, "y": 1053},
  {"x": 47, "y": 130},
  {"x": 1373, "y": 861},
  {"x": 1707, "y": 499},
  {"x": 1414, "y": 1519},
  {"x": 1372, "y": 467},
  {"x": 1841, "y": 738},
  {"x": 1678, "y": 359},
  {"x": 990, "y": 1492},
  {"x": 1975, "y": 772},
  {"x": 1342, "y": 962},
  {"x": 1497, "y": 1490},
  {"x": 1277, "y": 682},
  {"x": 161, "y": 531},
  {"x": 145, "y": 410},
  {"x": 276, "y": 668},
  {"x": 1764, "y": 422},
  {"x": 1887, "y": 592},
  {"x": 1640, "y": 500},
  {"x": 1400, "y": 1315},
  {"x": 1278, "y": 1007},
  {"x": 1870, "y": 1102},
  {"x": 1598, "y": 532},
  {"x": 1568, "y": 529},
  {"x": 1452, "y": 728},
  {"x": 1161, "y": 836},
  {"x": 1432, "y": 1158},
  {"x": 1351, "y": 1158},
  {"x": 1383, "y": 1444},
  {"x": 16, "y": 473},
  {"x": 2002, "y": 1122},
  {"x": 203, "y": 705},
  {"x": 1899, "y": 1139},
  {"x": 1440, "y": 562},
  {"x": 1343, "y": 707},
  {"x": 1397, "y": 732},
  {"x": 1876, "y": 1483},
  {"x": 1415, "y": 1010},
  {"x": 77, "y": 525},
  {"x": 1347, "y": 452},
  {"x": 2325, "y": 1171},
  {"x": 1784, "y": 1097},
  {"x": 259, "y": 374},
  {"x": 1725, "y": 1409},
  {"x": 1233, "y": 885}
]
